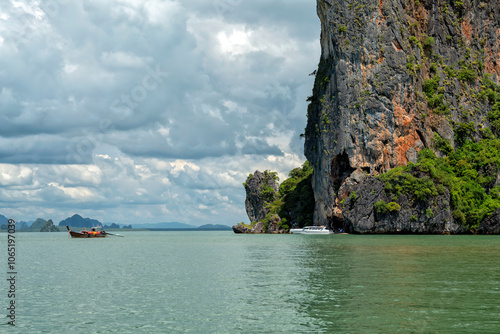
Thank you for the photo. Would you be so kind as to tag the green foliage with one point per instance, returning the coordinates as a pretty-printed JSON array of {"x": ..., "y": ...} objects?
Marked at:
[
  {"x": 393, "y": 207},
  {"x": 294, "y": 202},
  {"x": 450, "y": 71},
  {"x": 442, "y": 144},
  {"x": 433, "y": 68},
  {"x": 430, "y": 86},
  {"x": 412, "y": 66},
  {"x": 469, "y": 174},
  {"x": 491, "y": 92},
  {"x": 490, "y": 88},
  {"x": 249, "y": 226},
  {"x": 429, "y": 214},
  {"x": 272, "y": 218},
  {"x": 326, "y": 120},
  {"x": 464, "y": 132},
  {"x": 267, "y": 192},
  {"x": 434, "y": 95},
  {"x": 494, "y": 118},
  {"x": 459, "y": 216},
  {"x": 459, "y": 6},
  {"x": 405, "y": 179},
  {"x": 294, "y": 177},
  {"x": 380, "y": 207},
  {"x": 437, "y": 103},
  {"x": 353, "y": 195},
  {"x": 268, "y": 174},
  {"x": 428, "y": 42},
  {"x": 467, "y": 74},
  {"x": 342, "y": 28}
]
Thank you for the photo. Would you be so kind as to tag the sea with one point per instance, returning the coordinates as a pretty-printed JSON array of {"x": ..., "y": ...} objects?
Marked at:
[{"x": 221, "y": 282}]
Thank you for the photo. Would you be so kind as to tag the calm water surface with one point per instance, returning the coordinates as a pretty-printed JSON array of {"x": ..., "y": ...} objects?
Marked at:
[{"x": 220, "y": 282}]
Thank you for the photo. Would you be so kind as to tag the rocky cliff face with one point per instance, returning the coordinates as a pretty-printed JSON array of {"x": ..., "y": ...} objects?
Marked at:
[
  {"x": 274, "y": 209},
  {"x": 261, "y": 189},
  {"x": 369, "y": 209},
  {"x": 393, "y": 75}
]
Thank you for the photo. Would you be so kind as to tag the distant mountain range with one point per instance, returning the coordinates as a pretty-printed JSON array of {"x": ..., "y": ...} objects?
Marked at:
[
  {"x": 209, "y": 227},
  {"x": 78, "y": 221},
  {"x": 39, "y": 225},
  {"x": 165, "y": 225},
  {"x": 3, "y": 220},
  {"x": 181, "y": 226}
]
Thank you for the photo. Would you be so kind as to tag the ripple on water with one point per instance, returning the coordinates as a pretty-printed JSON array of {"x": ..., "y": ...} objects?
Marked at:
[{"x": 219, "y": 282}]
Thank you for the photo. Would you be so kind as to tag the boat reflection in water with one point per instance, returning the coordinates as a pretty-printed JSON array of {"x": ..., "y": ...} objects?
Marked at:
[{"x": 311, "y": 230}]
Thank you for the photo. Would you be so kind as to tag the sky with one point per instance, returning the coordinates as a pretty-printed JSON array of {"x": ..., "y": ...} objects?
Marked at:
[{"x": 132, "y": 111}]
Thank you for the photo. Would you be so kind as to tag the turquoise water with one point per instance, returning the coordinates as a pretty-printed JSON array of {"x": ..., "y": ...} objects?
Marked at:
[{"x": 220, "y": 282}]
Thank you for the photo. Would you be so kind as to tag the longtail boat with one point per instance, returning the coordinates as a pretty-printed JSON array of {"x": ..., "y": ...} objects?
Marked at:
[{"x": 93, "y": 233}]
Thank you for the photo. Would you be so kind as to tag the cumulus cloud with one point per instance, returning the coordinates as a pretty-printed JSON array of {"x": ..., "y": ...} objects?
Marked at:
[
  {"x": 12, "y": 175},
  {"x": 133, "y": 111}
]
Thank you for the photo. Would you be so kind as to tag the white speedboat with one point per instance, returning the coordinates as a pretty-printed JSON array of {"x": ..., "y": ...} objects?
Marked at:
[{"x": 311, "y": 230}]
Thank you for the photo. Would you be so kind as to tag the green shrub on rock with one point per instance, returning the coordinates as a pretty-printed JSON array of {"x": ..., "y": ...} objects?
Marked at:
[
  {"x": 393, "y": 207},
  {"x": 293, "y": 203},
  {"x": 469, "y": 173},
  {"x": 380, "y": 207}
]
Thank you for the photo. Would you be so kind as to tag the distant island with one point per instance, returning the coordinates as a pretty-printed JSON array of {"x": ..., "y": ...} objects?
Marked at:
[
  {"x": 176, "y": 226},
  {"x": 39, "y": 225},
  {"x": 168, "y": 225},
  {"x": 77, "y": 221}
]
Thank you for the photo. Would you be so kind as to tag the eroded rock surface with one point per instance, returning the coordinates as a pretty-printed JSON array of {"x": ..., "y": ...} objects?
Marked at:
[
  {"x": 410, "y": 216},
  {"x": 373, "y": 106},
  {"x": 260, "y": 190}
]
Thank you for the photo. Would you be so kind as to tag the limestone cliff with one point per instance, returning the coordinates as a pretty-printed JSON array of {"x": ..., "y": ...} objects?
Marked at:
[
  {"x": 273, "y": 209},
  {"x": 261, "y": 189},
  {"x": 394, "y": 75}
]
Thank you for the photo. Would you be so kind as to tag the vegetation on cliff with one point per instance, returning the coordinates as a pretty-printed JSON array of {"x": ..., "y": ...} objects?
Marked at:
[
  {"x": 458, "y": 90},
  {"x": 274, "y": 209},
  {"x": 261, "y": 189},
  {"x": 468, "y": 173},
  {"x": 397, "y": 78},
  {"x": 295, "y": 199}
]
